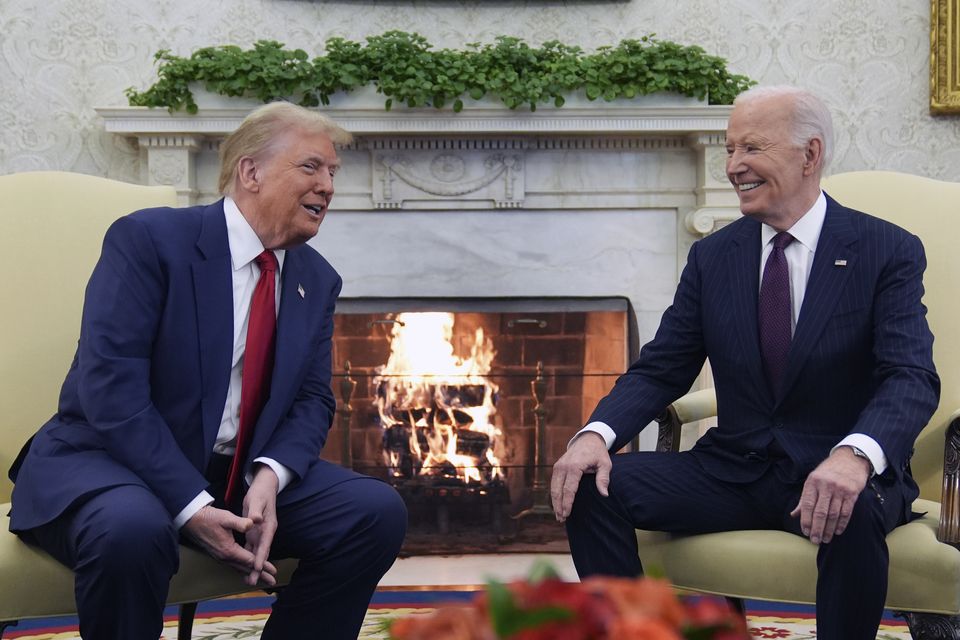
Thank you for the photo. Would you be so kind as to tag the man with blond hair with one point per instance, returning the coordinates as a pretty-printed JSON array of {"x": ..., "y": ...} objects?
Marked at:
[
  {"x": 812, "y": 318},
  {"x": 199, "y": 400}
]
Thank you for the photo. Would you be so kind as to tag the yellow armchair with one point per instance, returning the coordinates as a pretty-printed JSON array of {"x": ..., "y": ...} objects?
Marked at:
[
  {"x": 53, "y": 225},
  {"x": 924, "y": 574}
]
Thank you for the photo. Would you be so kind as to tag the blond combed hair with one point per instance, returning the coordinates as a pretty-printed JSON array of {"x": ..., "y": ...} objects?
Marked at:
[{"x": 263, "y": 127}]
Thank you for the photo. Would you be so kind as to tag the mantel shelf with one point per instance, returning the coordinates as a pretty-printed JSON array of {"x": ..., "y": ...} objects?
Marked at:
[
  {"x": 654, "y": 152},
  {"x": 600, "y": 119}
]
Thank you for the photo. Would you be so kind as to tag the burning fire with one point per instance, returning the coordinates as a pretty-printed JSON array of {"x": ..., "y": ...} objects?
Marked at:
[{"x": 437, "y": 409}]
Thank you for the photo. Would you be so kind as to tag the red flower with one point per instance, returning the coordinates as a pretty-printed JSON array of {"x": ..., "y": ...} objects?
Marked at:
[
  {"x": 597, "y": 609},
  {"x": 446, "y": 623},
  {"x": 646, "y": 598},
  {"x": 589, "y": 614},
  {"x": 642, "y": 629}
]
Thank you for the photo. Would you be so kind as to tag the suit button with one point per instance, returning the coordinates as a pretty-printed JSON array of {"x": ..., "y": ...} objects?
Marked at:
[
  {"x": 778, "y": 425},
  {"x": 753, "y": 456}
]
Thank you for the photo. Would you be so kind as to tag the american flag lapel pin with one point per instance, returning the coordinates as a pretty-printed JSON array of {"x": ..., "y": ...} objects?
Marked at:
[
  {"x": 839, "y": 262},
  {"x": 303, "y": 293}
]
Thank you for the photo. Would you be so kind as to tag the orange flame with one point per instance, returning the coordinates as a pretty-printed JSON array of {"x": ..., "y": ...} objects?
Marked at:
[{"x": 426, "y": 389}]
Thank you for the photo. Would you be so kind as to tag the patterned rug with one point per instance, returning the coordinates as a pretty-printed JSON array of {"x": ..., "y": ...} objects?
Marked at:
[{"x": 242, "y": 617}]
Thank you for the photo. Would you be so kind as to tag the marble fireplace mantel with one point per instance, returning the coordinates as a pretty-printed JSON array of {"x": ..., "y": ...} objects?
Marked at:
[
  {"x": 180, "y": 149},
  {"x": 588, "y": 199}
]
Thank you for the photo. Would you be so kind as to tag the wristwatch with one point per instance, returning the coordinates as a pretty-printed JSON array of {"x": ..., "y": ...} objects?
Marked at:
[{"x": 857, "y": 451}]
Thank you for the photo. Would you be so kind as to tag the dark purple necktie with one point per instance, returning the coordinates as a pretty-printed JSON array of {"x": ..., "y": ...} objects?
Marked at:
[{"x": 775, "y": 317}]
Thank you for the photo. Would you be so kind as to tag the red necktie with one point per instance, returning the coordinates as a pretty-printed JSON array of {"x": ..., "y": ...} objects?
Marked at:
[
  {"x": 775, "y": 317},
  {"x": 257, "y": 366}
]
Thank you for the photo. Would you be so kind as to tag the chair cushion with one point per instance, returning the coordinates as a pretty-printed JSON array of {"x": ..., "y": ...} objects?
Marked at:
[
  {"x": 66, "y": 214},
  {"x": 780, "y": 566},
  {"x": 49, "y": 589}
]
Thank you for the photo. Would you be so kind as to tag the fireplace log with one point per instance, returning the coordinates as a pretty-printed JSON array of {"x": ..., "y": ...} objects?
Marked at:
[
  {"x": 462, "y": 395},
  {"x": 472, "y": 443}
]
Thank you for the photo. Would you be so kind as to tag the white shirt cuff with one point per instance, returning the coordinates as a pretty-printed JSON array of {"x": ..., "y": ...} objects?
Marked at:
[
  {"x": 284, "y": 475},
  {"x": 596, "y": 427},
  {"x": 869, "y": 446},
  {"x": 202, "y": 500}
]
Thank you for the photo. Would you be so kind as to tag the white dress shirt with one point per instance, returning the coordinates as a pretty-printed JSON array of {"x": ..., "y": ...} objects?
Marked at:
[
  {"x": 245, "y": 246},
  {"x": 799, "y": 255}
]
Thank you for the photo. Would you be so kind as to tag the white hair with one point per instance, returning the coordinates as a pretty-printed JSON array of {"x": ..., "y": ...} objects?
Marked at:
[{"x": 810, "y": 119}]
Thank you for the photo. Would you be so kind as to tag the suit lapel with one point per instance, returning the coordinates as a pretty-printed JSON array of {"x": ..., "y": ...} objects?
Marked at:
[
  {"x": 743, "y": 264},
  {"x": 824, "y": 288},
  {"x": 213, "y": 289},
  {"x": 293, "y": 331}
]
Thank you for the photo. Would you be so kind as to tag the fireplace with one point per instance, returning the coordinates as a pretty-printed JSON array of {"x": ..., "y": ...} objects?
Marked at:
[{"x": 463, "y": 405}]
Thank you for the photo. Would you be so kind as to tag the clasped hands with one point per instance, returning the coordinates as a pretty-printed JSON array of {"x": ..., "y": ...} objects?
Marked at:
[
  {"x": 213, "y": 529},
  {"x": 825, "y": 505}
]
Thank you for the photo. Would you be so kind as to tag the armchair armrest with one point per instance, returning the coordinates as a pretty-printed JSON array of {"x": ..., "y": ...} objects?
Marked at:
[
  {"x": 949, "y": 529},
  {"x": 690, "y": 408},
  {"x": 703, "y": 404}
]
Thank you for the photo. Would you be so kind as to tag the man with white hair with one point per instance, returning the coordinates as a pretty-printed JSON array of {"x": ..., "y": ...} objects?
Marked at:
[
  {"x": 811, "y": 316},
  {"x": 199, "y": 400}
]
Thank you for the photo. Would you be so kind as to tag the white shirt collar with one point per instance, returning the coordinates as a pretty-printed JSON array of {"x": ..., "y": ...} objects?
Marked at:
[
  {"x": 806, "y": 230},
  {"x": 243, "y": 240}
]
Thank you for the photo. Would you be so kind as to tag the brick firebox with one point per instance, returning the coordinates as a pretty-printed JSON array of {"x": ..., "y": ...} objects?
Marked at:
[{"x": 583, "y": 345}]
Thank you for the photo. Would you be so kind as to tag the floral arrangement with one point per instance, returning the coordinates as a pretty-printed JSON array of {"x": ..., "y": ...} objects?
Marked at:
[{"x": 599, "y": 608}]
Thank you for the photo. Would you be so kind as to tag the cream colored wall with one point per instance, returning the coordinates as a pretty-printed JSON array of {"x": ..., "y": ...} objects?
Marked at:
[{"x": 868, "y": 58}]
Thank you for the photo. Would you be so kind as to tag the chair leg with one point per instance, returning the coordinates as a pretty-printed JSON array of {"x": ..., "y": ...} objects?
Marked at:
[
  {"x": 737, "y": 605},
  {"x": 6, "y": 623},
  {"x": 185, "y": 625},
  {"x": 931, "y": 626}
]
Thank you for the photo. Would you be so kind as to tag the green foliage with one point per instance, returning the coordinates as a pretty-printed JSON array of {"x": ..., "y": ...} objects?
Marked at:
[
  {"x": 542, "y": 569},
  {"x": 508, "y": 619},
  {"x": 407, "y": 70}
]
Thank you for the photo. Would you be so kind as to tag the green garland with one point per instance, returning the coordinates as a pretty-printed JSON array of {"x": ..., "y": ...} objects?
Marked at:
[{"x": 406, "y": 69}]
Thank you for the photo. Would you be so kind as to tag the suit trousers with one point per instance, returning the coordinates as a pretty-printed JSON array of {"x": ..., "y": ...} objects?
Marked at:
[
  {"x": 671, "y": 492},
  {"x": 123, "y": 550}
]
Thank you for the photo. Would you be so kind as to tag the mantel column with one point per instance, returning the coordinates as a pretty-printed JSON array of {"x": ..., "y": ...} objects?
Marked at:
[
  {"x": 171, "y": 160},
  {"x": 717, "y": 203}
]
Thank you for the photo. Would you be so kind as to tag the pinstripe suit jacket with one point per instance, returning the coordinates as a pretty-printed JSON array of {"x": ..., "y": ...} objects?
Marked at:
[
  {"x": 143, "y": 399},
  {"x": 860, "y": 361}
]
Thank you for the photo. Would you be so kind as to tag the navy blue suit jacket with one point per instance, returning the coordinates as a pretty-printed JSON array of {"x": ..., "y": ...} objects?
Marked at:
[
  {"x": 143, "y": 399},
  {"x": 860, "y": 361}
]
